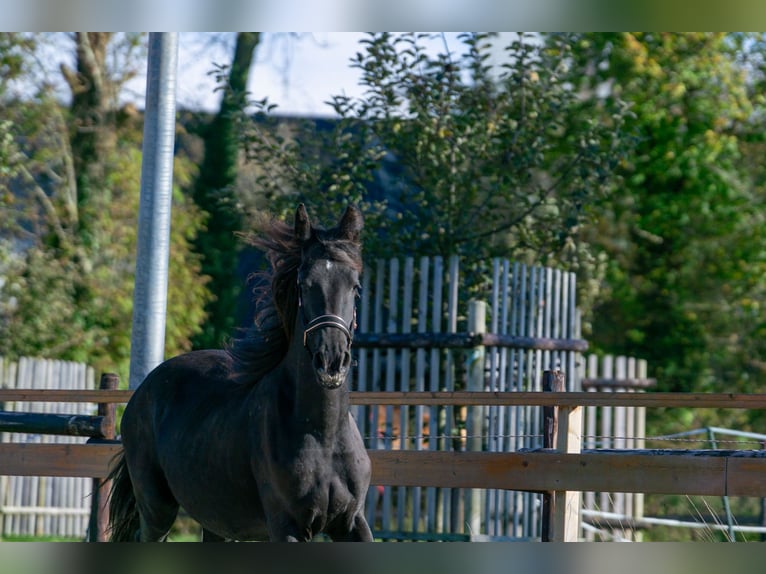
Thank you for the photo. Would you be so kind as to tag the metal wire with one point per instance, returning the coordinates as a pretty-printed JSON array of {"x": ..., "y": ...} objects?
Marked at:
[{"x": 597, "y": 438}]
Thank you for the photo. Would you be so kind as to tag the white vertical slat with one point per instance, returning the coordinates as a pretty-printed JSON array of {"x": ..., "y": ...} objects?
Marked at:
[
  {"x": 450, "y": 497},
  {"x": 17, "y": 482},
  {"x": 638, "y": 500},
  {"x": 591, "y": 416},
  {"x": 3, "y": 438},
  {"x": 491, "y": 509},
  {"x": 524, "y": 370},
  {"x": 573, "y": 329},
  {"x": 505, "y": 416},
  {"x": 5, "y": 382},
  {"x": 555, "y": 289},
  {"x": 76, "y": 376},
  {"x": 607, "y": 372},
  {"x": 362, "y": 372},
  {"x": 420, "y": 381},
  {"x": 391, "y": 327},
  {"x": 54, "y": 495},
  {"x": 432, "y": 493},
  {"x": 408, "y": 280},
  {"x": 619, "y": 433},
  {"x": 91, "y": 383},
  {"x": 375, "y": 382},
  {"x": 630, "y": 436},
  {"x": 64, "y": 373},
  {"x": 532, "y": 414},
  {"x": 380, "y": 278},
  {"x": 41, "y": 380}
]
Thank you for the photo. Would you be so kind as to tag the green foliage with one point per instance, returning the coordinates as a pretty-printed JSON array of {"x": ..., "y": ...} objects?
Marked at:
[
  {"x": 214, "y": 192},
  {"x": 66, "y": 294},
  {"x": 684, "y": 231},
  {"x": 15, "y": 48},
  {"x": 477, "y": 158}
]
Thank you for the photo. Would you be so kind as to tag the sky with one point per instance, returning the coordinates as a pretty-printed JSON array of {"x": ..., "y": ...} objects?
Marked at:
[{"x": 298, "y": 72}]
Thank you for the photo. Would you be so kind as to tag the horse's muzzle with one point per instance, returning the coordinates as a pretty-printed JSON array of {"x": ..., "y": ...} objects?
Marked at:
[
  {"x": 332, "y": 375},
  {"x": 329, "y": 381}
]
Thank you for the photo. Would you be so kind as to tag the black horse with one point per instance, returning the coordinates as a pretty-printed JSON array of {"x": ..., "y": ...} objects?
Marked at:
[{"x": 256, "y": 442}]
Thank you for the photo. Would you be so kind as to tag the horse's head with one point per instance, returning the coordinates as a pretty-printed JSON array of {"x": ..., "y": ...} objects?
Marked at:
[{"x": 328, "y": 285}]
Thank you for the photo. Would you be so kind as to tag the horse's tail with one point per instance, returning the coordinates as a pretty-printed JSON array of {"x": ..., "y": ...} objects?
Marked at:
[{"x": 123, "y": 512}]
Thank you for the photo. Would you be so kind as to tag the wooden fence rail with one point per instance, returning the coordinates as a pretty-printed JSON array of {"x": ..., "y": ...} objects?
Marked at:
[
  {"x": 699, "y": 472},
  {"x": 39, "y": 505},
  {"x": 464, "y": 341},
  {"x": 461, "y": 398}
]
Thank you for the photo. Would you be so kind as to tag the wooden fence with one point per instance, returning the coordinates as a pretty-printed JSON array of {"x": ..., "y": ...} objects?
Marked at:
[
  {"x": 442, "y": 379},
  {"x": 560, "y": 473},
  {"x": 43, "y": 505},
  {"x": 615, "y": 428},
  {"x": 419, "y": 332}
]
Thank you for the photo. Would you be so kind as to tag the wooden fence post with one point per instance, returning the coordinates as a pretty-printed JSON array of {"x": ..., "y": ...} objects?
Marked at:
[
  {"x": 562, "y": 430},
  {"x": 477, "y": 324},
  {"x": 99, "y": 513}
]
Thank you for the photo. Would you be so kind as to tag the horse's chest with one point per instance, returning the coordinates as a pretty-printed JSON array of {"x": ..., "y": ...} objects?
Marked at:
[
  {"x": 317, "y": 477},
  {"x": 318, "y": 485}
]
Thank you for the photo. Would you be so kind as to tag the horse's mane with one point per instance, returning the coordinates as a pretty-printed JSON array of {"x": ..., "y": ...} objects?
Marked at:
[{"x": 263, "y": 345}]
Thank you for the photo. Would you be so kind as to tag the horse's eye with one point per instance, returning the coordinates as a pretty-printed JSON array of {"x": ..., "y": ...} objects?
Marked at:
[{"x": 357, "y": 290}]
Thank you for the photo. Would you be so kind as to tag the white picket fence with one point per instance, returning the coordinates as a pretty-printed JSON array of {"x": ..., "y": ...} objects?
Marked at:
[
  {"x": 614, "y": 428},
  {"x": 422, "y": 298},
  {"x": 45, "y": 506},
  {"x": 405, "y": 297}
]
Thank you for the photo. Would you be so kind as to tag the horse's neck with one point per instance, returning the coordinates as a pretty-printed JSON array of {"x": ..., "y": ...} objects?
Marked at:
[{"x": 320, "y": 410}]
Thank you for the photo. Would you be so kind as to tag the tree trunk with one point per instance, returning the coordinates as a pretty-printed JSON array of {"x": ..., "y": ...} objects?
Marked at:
[
  {"x": 214, "y": 193},
  {"x": 92, "y": 135}
]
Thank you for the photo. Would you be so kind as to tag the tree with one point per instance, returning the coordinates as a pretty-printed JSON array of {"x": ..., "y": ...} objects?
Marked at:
[
  {"x": 214, "y": 191},
  {"x": 684, "y": 233},
  {"x": 69, "y": 216},
  {"x": 479, "y": 160}
]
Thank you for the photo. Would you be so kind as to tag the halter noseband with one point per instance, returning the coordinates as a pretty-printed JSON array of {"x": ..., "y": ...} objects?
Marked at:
[{"x": 328, "y": 320}]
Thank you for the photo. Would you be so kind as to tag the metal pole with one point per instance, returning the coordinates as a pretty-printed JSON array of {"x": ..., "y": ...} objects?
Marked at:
[{"x": 150, "y": 297}]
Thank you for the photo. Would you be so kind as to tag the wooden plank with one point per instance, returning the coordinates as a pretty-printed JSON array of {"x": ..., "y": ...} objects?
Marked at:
[
  {"x": 446, "y": 340},
  {"x": 636, "y": 382},
  {"x": 745, "y": 475},
  {"x": 707, "y": 473},
  {"x": 579, "y": 398},
  {"x": 677, "y": 472},
  {"x": 79, "y": 460},
  {"x": 462, "y": 398}
]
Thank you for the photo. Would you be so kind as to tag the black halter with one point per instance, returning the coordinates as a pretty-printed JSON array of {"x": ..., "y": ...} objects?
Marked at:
[{"x": 328, "y": 320}]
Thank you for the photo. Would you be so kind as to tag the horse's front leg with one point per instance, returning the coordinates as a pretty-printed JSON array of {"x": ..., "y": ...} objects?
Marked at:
[
  {"x": 359, "y": 531},
  {"x": 287, "y": 537},
  {"x": 284, "y": 529}
]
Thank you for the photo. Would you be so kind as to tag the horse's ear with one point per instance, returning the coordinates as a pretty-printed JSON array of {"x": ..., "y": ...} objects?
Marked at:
[
  {"x": 302, "y": 224},
  {"x": 351, "y": 224}
]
